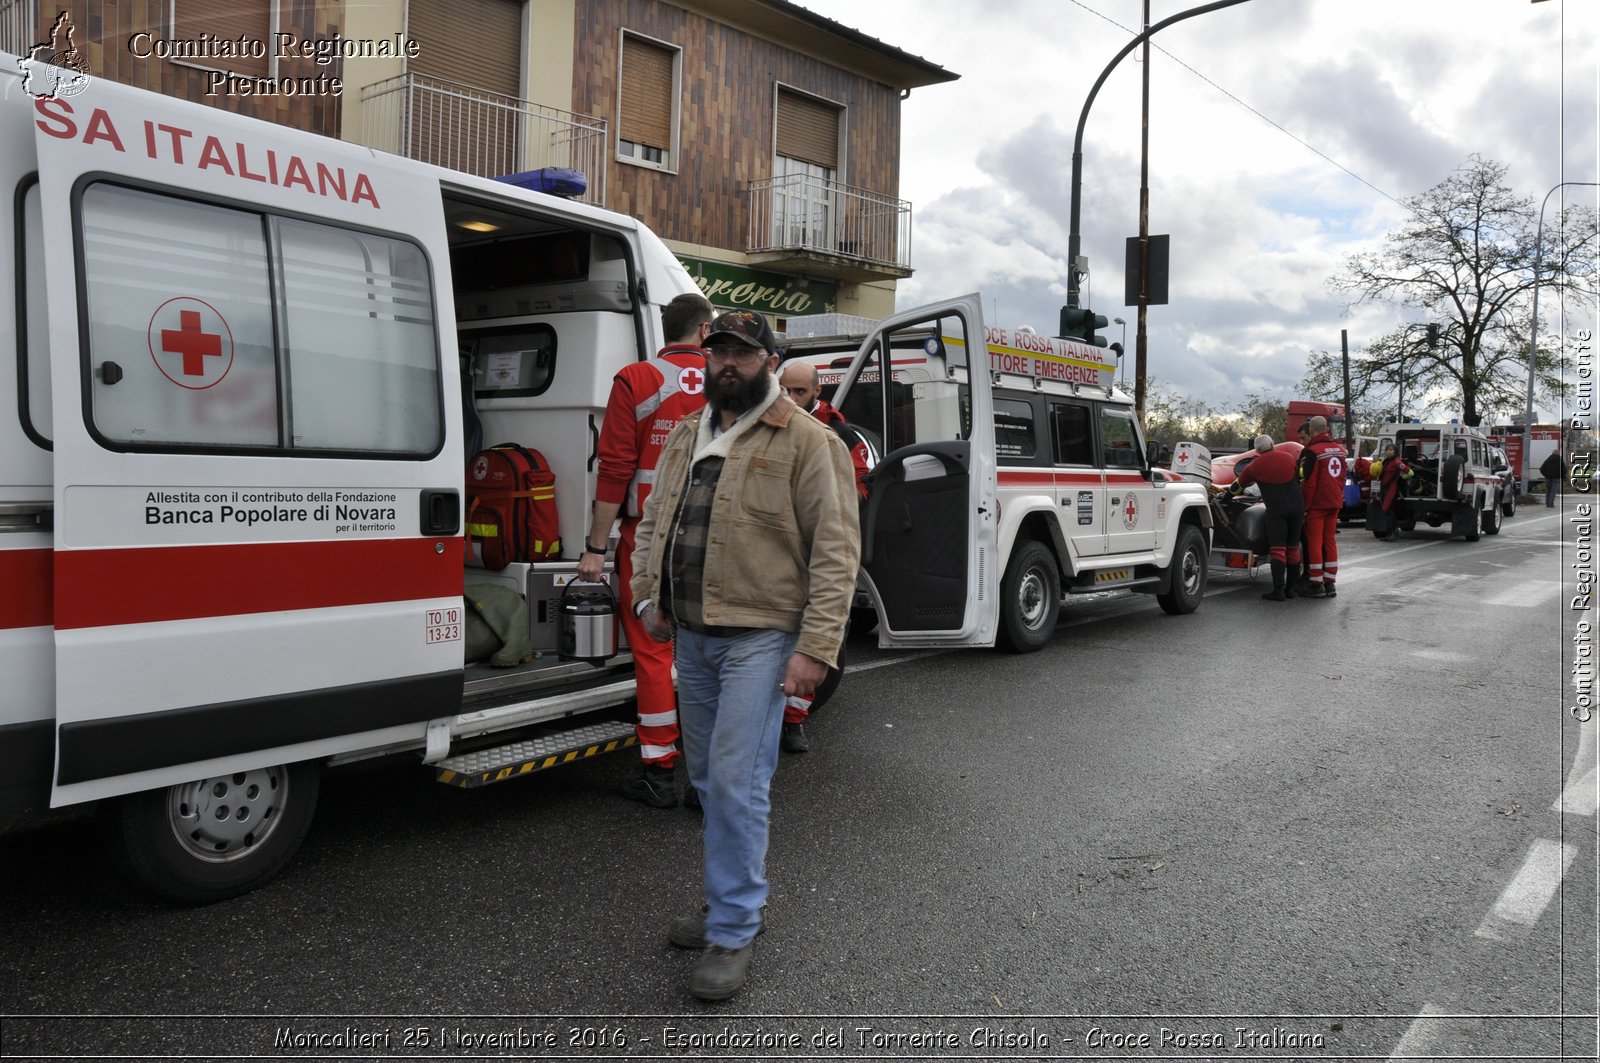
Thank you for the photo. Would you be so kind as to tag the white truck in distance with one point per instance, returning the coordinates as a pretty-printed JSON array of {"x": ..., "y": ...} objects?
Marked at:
[{"x": 1006, "y": 452}]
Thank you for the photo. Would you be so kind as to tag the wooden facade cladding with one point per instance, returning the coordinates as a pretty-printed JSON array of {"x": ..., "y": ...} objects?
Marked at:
[
  {"x": 103, "y": 30},
  {"x": 727, "y": 118}
]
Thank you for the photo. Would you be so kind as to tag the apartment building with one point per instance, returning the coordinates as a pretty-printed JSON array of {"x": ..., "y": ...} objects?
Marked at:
[{"x": 760, "y": 140}]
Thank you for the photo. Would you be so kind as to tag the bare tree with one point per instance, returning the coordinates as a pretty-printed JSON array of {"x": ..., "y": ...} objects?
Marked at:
[{"x": 1464, "y": 260}]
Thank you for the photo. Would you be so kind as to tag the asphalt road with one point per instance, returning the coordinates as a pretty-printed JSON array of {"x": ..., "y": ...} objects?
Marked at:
[{"x": 1328, "y": 829}]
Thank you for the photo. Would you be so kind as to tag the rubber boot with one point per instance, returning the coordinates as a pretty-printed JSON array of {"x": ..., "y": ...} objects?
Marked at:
[
  {"x": 1291, "y": 582},
  {"x": 1276, "y": 594}
]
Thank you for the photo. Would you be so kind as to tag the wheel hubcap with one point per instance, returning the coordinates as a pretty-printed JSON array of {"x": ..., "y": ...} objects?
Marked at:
[
  {"x": 223, "y": 818},
  {"x": 1031, "y": 599},
  {"x": 1191, "y": 571}
]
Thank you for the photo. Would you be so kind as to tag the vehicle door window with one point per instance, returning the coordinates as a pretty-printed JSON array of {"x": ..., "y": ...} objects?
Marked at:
[
  {"x": 1119, "y": 440},
  {"x": 1072, "y": 432},
  {"x": 220, "y": 328},
  {"x": 1014, "y": 439}
]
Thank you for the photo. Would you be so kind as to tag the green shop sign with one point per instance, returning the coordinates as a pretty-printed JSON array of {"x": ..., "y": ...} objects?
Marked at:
[{"x": 772, "y": 293}]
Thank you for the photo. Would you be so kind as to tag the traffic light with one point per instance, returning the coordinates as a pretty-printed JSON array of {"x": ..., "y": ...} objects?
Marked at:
[
  {"x": 1433, "y": 335},
  {"x": 1080, "y": 323}
]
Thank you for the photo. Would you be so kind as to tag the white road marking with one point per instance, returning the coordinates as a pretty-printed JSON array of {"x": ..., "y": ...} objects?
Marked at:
[
  {"x": 1582, "y": 794},
  {"x": 1527, "y": 594},
  {"x": 1525, "y": 899},
  {"x": 1424, "y": 1034}
]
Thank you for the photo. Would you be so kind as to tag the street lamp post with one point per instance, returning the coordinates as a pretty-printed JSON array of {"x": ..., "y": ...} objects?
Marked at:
[
  {"x": 1074, "y": 236},
  {"x": 1533, "y": 337}
]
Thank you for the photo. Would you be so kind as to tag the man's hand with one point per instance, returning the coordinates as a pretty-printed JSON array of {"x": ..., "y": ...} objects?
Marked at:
[
  {"x": 591, "y": 567},
  {"x": 658, "y": 626},
  {"x": 803, "y": 675}
]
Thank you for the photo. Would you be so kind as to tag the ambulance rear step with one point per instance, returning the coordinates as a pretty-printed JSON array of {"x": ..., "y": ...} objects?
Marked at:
[{"x": 517, "y": 759}]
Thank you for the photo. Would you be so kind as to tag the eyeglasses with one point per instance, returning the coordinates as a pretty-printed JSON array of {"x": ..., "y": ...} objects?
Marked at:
[{"x": 736, "y": 352}]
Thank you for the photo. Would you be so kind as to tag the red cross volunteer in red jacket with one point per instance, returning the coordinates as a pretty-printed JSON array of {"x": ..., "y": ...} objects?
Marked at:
[
  {"x": 648, "y": 399},
  {"x": 1322, "y": 465}
]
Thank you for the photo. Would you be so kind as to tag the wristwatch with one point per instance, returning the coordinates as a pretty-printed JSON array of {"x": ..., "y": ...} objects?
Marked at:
[{"x": 592, "y": 550}]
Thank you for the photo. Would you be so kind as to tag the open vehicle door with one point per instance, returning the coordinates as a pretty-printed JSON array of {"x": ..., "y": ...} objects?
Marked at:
[
  {"x": 920, "y": 385},
  {"x": 257, "y": 551}
]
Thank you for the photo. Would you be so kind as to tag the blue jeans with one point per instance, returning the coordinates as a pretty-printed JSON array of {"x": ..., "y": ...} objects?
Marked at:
[
  {"x": 1550, "y": 485},
  {"x": 730, "y": 710}
]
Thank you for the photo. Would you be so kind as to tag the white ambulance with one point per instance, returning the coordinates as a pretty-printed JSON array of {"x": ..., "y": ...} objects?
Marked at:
[
  {"x": 232, "y": 472},
  {"x": 1011, "y": 471},
  {"x": 231, "y": 467}
]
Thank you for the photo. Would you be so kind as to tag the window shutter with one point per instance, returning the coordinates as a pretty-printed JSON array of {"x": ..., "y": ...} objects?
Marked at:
[
  {"x": 808, "y": 130},
  {"x": 646, "y": 116},
  {"x": 227, "y": 20},
  {"x": 490, "y": 31}
]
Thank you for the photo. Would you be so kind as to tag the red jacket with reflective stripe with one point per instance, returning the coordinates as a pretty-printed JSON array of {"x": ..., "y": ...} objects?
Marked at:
[
  {"x": 1322, "y": 467},
  {"x": 648, "y": 399},
  {"x": 824, "y": 412}
]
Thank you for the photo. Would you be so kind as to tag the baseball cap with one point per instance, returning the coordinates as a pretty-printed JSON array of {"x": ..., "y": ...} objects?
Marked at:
[{"x": 745, "y": 326}]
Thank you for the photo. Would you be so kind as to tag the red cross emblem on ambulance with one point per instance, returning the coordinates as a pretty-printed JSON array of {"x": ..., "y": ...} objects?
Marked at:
[
  {"x": 691, "y": 380},
  {"x": 1130, "y": 513},
  {"x": 191, "y": 343}
]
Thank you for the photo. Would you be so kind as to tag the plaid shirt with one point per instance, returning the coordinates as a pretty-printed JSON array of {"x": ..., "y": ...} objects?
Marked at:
[{"x": 686, "y": 551}]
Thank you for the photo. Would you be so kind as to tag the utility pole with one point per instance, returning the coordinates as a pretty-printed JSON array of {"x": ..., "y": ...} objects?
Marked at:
[{"x": 1141, "y": 339}]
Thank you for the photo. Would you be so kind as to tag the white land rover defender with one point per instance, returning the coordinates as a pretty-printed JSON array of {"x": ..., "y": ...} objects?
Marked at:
[
  {"x": 1455, "y": 480},
  {"x": 1002, "y": 454}
]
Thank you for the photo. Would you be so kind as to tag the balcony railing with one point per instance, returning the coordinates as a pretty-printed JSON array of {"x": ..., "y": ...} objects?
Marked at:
[
  {"x": 807, "y": 214},
  {"x": 479, "y": 132}
]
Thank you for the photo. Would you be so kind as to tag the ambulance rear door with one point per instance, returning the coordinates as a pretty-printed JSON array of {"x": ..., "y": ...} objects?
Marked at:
[
  {"x": 257, "y": 552},
  {"x": 930, "y": 524}
]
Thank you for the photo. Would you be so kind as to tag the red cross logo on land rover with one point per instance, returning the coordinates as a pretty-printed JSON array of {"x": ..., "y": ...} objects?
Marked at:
[
  {"x": 191, "y": 343},
  {"x": 1130, "y": 513},
  {"x": 691, "y": 380}
]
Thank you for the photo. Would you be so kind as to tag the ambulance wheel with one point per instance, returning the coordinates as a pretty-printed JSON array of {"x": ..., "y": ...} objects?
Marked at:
[
  {"x": 1188, "y": 573},
  {"x": 1030, "y": 598},
  {"x": 216, "y": 838},
  {"x": 1491, "y": 521}
]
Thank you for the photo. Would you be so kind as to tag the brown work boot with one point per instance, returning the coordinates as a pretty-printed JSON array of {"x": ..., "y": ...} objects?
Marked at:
[{"x": 721, "y": 971}]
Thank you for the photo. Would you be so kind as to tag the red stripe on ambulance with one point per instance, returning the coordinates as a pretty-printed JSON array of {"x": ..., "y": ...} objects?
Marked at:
[
  {"x": 101, "y": 588},
  {"x": 25, "y": 579}
]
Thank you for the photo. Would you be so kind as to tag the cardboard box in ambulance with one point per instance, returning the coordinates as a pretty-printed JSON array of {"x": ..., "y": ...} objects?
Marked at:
[{"x": 231, "y": 466}]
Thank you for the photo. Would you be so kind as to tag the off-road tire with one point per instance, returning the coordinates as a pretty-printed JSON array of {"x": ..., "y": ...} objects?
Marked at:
[
  {"x": 213, "y": 839},
  {"x": 1452, "y": 478},
  {"x": 1189, "y": 572},
  {"x": 1030, "y": 598},
  {"x": 1490, "y": 522}
]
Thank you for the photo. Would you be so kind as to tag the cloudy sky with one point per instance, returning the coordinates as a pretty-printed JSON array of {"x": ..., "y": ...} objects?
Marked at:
[{"x": 1283, "y": 133}]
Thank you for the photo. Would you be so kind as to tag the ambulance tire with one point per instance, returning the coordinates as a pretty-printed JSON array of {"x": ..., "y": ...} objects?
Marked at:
[
  {"x": 249, "y": 828},
  {"x": 1491, "y": 520},
  {"x": 1188, "y": 573},
  {"x": 1030, "y": 598}
]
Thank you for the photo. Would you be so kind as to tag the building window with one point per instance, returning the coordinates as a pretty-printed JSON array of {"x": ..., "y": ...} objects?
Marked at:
[
  {"x": 805, "y": 168},
  {"x": 240, "y": 30},
  {"x": 647, "y": 102}
]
